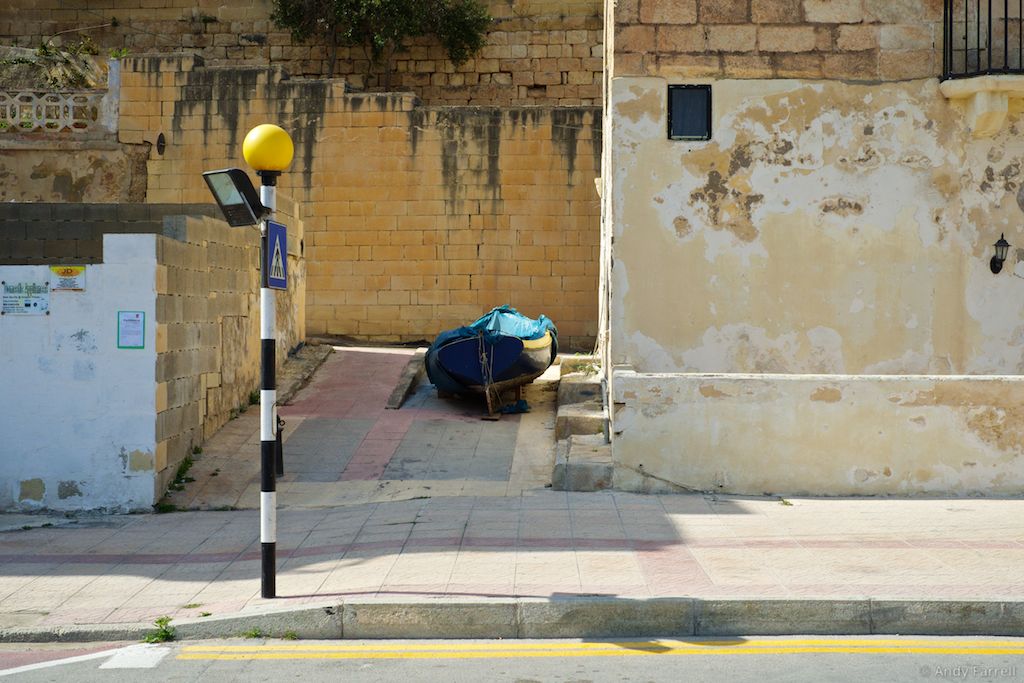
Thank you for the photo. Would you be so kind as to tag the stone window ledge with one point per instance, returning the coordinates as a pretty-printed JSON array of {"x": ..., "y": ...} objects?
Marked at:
[{"x": 988, "y": 100}]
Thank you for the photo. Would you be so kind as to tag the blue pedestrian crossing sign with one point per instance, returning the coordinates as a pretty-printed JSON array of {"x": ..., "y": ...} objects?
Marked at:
[{"x": 277, "y": 256}]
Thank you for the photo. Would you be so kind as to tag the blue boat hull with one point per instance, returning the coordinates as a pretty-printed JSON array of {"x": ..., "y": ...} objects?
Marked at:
[{"x": 470, "y": 359}]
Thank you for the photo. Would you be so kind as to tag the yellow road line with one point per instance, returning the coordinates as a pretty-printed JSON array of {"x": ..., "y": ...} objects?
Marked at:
[
  {"x": 506, "y": 645},
  {"x": 607, "y": 650}
]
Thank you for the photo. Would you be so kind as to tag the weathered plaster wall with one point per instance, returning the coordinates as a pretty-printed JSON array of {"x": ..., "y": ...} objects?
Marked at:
[
  {"x": 825, "y": 228},
  {"x": 814, "y": 435},
  {"x": 67, "y": 171},
  {"x": 417, "y": 219},
  {"x": 831, "y": 229},
  {"x": 76, "y": 411}
]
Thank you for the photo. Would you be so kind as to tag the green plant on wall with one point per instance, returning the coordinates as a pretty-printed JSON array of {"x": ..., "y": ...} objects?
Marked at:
[{"x": 381, "y": 27}]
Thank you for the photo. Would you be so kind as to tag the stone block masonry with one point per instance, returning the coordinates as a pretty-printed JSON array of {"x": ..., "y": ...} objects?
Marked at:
[
  {"x": 207, "y": 315},
  {"x": 541, "y": 52},
  {"x": 417, "y": 219},
  {"x": 818, "y": 39}
]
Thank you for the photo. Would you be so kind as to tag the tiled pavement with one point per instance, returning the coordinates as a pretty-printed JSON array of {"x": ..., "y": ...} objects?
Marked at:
[
  {"x": 343, "y": 447},
  {"x": 431, "y": 501},
  {"x": 538, "y": 544}
]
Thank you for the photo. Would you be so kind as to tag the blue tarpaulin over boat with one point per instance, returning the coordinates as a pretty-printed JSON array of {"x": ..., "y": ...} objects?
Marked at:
[{"x": 489, "y": 350}]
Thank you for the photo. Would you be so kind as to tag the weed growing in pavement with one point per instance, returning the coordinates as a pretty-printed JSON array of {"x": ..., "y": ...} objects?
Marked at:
[
  {"x": 163, "y": 633},
  {"x": 205, "y": 614},
  {"x": 163, "y": 508},
  {"x": 196, "y": 450},
  {"x": 48, "y": 524},
  {"x": 181, "y": 476},
  {"x": 783, "y": 501},
  {"x": 290, "y": 635},
  {"x": 253, "y": 633},
  {"x": 254, "y": 397},
  {"x": 193, "y": 605}
]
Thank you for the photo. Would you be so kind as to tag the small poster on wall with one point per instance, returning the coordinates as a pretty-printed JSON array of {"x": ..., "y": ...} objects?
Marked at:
[
  {"x": 67, "y": 278},
  {"x": 25, "y": 298},
  {"x": 131, "y": 329}
]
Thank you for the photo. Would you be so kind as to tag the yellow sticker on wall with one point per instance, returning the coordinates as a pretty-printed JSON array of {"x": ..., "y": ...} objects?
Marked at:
[{"x": 67, "y": 278}]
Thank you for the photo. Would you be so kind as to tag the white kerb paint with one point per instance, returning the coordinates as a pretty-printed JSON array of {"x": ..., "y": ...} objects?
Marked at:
[{"x": 141, "y": 656}]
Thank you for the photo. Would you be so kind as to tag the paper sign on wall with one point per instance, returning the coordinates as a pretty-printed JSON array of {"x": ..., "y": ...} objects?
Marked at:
[
  {"x": 67, "y": 278},
  {"x": 131, "y": 329},
  {"x": 26, "y": 298}
]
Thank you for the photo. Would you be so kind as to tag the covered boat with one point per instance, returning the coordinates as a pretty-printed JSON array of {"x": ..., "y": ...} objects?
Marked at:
[{"x": 502, "y": 350}]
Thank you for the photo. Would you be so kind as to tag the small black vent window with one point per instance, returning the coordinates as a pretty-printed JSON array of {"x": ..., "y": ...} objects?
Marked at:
[{"x": 689, "y": 112}]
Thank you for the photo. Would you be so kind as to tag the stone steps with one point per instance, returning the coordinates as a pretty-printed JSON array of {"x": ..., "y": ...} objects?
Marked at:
[
  {"x": 583, "y": 456},
  {"x": 583, "y": 462}
]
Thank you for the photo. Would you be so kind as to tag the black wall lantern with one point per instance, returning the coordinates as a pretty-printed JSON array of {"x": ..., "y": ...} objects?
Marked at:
[{"x": 1002, "y": 246}]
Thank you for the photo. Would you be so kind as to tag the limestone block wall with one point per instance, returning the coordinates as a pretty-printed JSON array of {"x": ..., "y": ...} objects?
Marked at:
[
  {"x": 417, "y": 219},
  {"x": 830, "y": 39},
  {"x": 207, "y": 327},
  {"x": 538, "y": 51}
]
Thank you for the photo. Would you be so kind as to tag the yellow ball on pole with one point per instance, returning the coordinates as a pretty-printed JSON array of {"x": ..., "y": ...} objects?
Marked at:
[{"x": 268, "y": 148}]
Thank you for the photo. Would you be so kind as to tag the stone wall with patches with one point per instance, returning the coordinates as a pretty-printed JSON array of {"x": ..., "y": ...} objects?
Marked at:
[
  {"x": 92, "y": 425},
  {"x": 417, "y": 219},
  {"x": 78, "y": 422},
  {"x": 804, "y": 303},
  {"x": 537, "y": 51}
]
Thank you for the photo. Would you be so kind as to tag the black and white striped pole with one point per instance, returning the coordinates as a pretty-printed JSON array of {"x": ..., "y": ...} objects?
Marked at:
[{"x": 268, "y": 149}]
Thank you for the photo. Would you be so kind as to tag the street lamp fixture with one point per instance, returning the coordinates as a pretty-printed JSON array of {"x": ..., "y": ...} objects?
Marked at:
[
  {"x": 235, "y": 196},
  {"x": 1002, "y": 246}
]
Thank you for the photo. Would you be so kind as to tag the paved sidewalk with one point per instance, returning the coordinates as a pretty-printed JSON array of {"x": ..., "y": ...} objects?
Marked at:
[
  {"x": 544, "y": 545},
  {"x": 391, "y": 510},
  {"x": 343, "y": 447}
]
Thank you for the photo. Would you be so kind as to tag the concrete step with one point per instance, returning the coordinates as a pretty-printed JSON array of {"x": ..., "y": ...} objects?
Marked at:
[
  {"x": 580, "y": 418},
  {"x": 577, "y": 387},
  {"x": 577, "y": 363},
  {"x": 583, "y": 462}
]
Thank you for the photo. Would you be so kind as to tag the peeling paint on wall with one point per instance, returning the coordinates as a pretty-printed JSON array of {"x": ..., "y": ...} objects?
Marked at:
[{"x": 825, "y": 228}]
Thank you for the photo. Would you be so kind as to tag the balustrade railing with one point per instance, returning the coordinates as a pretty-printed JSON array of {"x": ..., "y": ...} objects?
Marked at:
[{"x": 28, "y": 111}]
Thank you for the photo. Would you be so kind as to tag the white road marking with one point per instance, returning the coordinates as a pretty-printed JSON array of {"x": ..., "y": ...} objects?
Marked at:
[
  {"x": 59, "y": 662},
  {"x": 140, "y": 656}
]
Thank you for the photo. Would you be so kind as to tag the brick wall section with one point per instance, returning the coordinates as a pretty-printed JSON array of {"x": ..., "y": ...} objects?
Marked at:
[
  {"x": 834, "y": 39},
  {"x": 208, "y": 349},
  {"x": 45, "y": 233},
  {"x": 538, "y": 51},
  {"x": 417, "y": 219}
]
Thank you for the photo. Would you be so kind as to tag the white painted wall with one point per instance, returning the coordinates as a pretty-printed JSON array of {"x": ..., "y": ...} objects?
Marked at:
[{"x": 76, "y": 412}]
